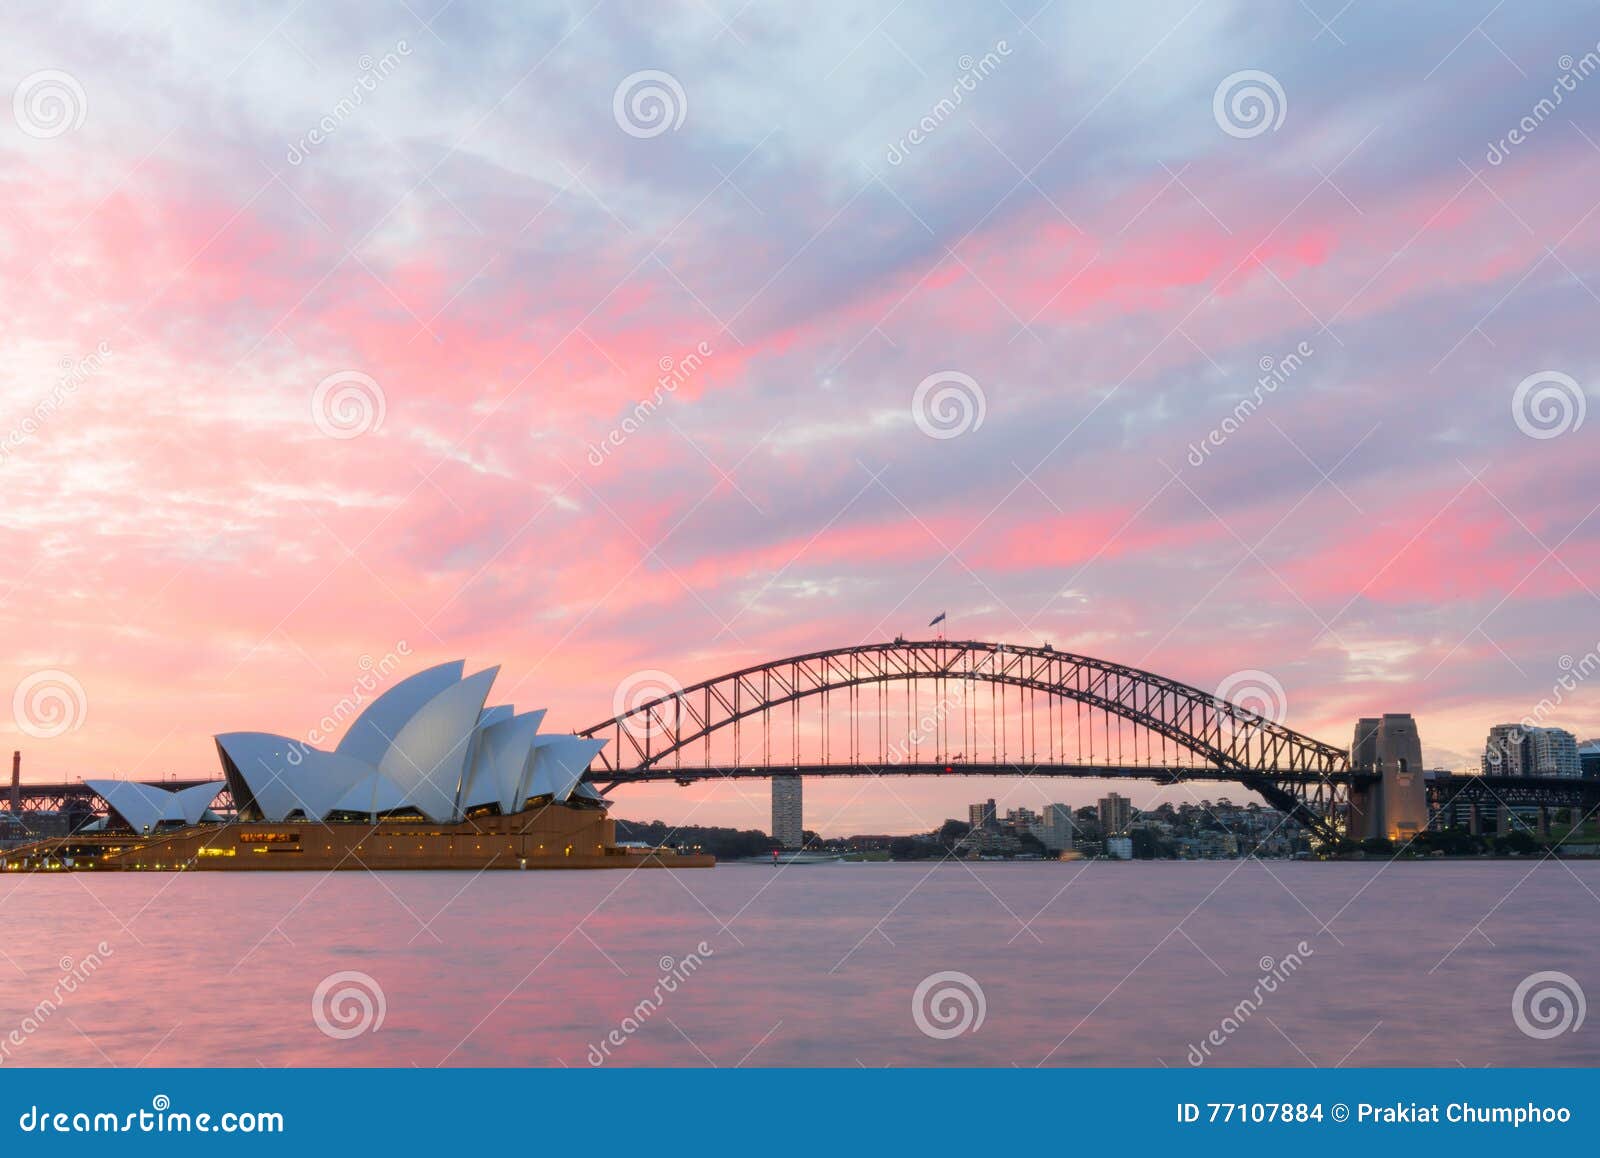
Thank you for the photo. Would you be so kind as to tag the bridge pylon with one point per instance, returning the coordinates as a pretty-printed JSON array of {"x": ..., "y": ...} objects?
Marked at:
[{"x": 1391, "y": 801}]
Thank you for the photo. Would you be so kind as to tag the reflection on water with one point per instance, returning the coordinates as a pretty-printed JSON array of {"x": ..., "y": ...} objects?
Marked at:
[{"x": 1070, "y": 964}]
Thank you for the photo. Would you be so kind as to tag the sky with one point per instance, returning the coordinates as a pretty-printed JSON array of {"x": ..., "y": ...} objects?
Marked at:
[{"x": 1210, "y": 338}]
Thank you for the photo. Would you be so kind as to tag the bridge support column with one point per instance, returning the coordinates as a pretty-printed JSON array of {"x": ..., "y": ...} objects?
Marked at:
[
  {"x": 1544, "y": 820},
  {"x": 1475, "y": 820},
  {"x": 1396, "y": 807}
]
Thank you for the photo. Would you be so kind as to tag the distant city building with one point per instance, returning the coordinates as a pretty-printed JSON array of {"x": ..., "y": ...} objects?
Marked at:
[
  {"x": 1203, "y": 829},
  {"x": 788, "y": 826},
  {"x": 1217, "y": 845},
  {"x": 1026, "y": 821},
  {"x": 1516, "y": 750},
  {"x": 1505, "y": 751},
  {"x": 1395, "y": 807},
  {"x": 1589, "y": 759},
  {"x": 1553, "y": 752},
  {"x": 981, "y": 815},
  {"x": 1057, "y": 830},
  {"x": 1023, "y": 819},
  {"x": 990, "y": 843},
  {"x": 1115, "y": 814}
]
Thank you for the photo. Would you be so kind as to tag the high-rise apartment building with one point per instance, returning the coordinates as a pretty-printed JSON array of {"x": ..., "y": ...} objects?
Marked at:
[
  {"x": 1505, "y": 751},
  {"x": 788, "y": 823},
  {"x": 1520, "y": 750},
  {"x": 1057, "y": 830},
  {"x": 1116, "y": 812},
  {"x": 1553, "y": 752}
]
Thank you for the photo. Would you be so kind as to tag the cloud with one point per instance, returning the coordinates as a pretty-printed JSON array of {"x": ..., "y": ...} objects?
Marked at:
[{"x": 517, "y": 276}]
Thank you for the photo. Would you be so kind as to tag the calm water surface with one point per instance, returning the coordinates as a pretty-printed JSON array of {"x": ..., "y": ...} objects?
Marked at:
[{"x": 1078, "y": 964}]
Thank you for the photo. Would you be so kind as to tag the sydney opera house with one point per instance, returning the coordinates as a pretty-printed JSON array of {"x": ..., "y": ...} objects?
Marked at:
[{"x": 428, "y": 776}]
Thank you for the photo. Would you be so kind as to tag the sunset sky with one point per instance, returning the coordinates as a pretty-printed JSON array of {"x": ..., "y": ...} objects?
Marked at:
[{"x": 463, "y": 220}]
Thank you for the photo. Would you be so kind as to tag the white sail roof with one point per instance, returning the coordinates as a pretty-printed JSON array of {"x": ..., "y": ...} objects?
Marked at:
[
  {"x": 264, "y": 772},
  {"x": 372, "y": 794},
  {"x": 557, "y": 764},
  {"x": 376, "y": 727},
  {"x": 146, "y": 806},
  {"x": 320, "y": 781},
  {"x": 501, "y": 758},
  {"x": 193, "y": 801},
  {"x": 496, "y": 715},
  {"x": 429, "y": 755},
  {"x": 429, "y": 743}
]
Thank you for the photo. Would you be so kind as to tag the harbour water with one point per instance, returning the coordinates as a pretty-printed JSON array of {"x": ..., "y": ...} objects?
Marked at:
[{"x": 1089, "y": 963}]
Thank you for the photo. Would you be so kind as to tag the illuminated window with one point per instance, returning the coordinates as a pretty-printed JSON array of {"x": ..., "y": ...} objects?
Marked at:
[{"x": 269, "y": 838}]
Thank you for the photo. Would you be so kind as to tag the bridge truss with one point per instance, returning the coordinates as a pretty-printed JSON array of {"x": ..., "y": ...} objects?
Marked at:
[
  {"x": 76, "y": 796},
  {"x": 1490, "y": 793},
  {"x": 968, "y": 708}
]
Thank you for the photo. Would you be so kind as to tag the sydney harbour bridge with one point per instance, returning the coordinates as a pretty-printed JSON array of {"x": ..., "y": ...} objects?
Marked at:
[
  {"x": 942, "y": 708},
  {"x": 969, "y": 708}
]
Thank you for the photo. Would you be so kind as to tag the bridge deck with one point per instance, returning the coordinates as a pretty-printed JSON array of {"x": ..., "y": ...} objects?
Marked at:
[{"x": 1166, "y": 773}]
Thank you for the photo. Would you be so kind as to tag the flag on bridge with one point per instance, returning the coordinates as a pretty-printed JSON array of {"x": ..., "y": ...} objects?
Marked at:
[{"x": 936, "y": 620}]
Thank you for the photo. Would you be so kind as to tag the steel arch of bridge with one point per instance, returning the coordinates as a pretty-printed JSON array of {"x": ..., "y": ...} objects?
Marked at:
[{"x": 1298, "y": 775}]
